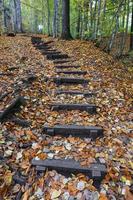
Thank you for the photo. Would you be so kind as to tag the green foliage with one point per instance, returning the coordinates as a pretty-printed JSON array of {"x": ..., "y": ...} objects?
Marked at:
[{"x": 89, "y": 19}]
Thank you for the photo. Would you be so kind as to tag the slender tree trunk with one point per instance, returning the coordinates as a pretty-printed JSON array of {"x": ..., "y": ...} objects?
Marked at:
[
  {"x": 91, "y": 17},
  {"x": 1, "y": 17},
  {"x": 86, "y": 10},
  {"x": 78, "y": 23},
  {"x": 123, "y": 41},
  {"x": 48, "y": 9},
  {"x": 55, "y": 20},
  {"x": 66, "y": 20},
  {"x": 18, "y": 16},
  {"x": 43, "y": 15},
  {"x": 98, "y": 18},
  {"x": 81, "y": 26},
  {"x": 131, "y": 36},
  {"x": 115, "y": 30},
  {"x": 35, "y": 21},
  {"x": 104, "y": 8},
  {"x": 95, "y": 20},
  {"x": 12, "y": 27}
]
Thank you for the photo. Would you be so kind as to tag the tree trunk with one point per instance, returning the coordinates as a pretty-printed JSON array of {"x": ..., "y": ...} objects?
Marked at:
[
  {"x": 104, "y": 8},
  {"x": 86, "y": 11},
  {"x": 95, "y": 20},
  {"x": 131, "y": 37},
  {"x": 12, "y": 26},
  {"x": 48, "y": 8},
  {"x": 98, "y": 18},
  {"x": 91, "y": 17},
  {"x": 35, "y": 21},
  {"x": 18, "y": 16},
  {"x": 55, "y": 20},
  {"x": 1, "y": 17},
  {"x": 124, "y": 35},
  {"x": 115, "y": 29},
  {"x": 78, "y": 22},
  {"x": 66, "y": 20}
]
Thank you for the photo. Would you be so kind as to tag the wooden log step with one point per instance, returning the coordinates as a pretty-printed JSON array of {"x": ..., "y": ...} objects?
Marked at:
[
  {"x": 47, "y": 43},
  {"x": 40, "y": 169},
  {"x": 64, "y": 80},
  {"x": 20, "y": 122},
  {"x": 12, "y": 108},
  {"x": 51, "y": 53},
  {"x": 74, "y": 130},
  {"x": 61, "y": 61},
  {"x": 74, "y": 92},
  {"x": 11, "y": 34},
  {"x": 96, "y": 171},
  {"x": 72, "y": 72},
  {"x": 43, "y": 47},
  {"x": 56, "y": 56},
  {"x": 50, "y": 50},
  {"x": 66, "y": 66},
  {"x": 90, "y": 108}
]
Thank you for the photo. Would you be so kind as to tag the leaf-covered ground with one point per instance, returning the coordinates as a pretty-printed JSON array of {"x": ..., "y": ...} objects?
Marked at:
[{"x": 113, "y": 87}]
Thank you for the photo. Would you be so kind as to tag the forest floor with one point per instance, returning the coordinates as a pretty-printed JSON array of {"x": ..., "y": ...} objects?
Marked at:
[{"x": 24, "y": 71}]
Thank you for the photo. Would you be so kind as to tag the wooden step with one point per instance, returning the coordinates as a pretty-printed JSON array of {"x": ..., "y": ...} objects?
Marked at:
[
  {"x": 90, "y": 108},
  {"x": 51, "y": 52},
  {"x": 43, "y": 47},
  {"x": 74, "y": 130},
  {"x": 61, "y": 61},
  {"x": 96, "y": 171},
  {"x": 66, "y": 66},
  {"x": 57, "y": 56},
  {"x": 72, "y": 72},
  {"x": 74, "y": 92},
  {"x": 64, "y": 80}
]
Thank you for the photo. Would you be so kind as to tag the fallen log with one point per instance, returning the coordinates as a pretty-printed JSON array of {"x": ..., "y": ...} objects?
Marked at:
[
  {"x": 11, "y": 34},
  {"x": 20, "y": 122},
  {"x": 12, "y": 108}
]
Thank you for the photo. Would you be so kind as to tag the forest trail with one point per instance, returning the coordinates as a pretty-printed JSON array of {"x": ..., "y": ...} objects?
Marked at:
[{"x": 72, "y": 84}]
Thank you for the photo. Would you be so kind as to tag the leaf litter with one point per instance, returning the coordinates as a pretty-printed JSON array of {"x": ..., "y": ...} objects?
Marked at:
[{"x": 18, "y": 145}]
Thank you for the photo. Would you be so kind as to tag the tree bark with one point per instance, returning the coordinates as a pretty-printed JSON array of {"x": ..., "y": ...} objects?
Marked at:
[
  {"x": 18, "y": 16},
  {"x": 48, "y": 8},
  {"x": 1, "y": 17},
  {"x": 115, "y": 29},
  {"x": 124, "y": 35},
  {"x": 55, "y": 20},
  {"x": 78, "y": 22},
  {"x": 66, "y": 20},
  {"x": 131, "y": 36},
  {"x": 12, "y": 23},
  {"x": 86, "y": 11},
  {"x": 91, "y": 18},
  {"x": 95, "y": 20},
  {"x": 98, "y": 18}
]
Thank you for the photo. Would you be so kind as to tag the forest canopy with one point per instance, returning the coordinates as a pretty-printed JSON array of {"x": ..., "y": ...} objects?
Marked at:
[{"x": 96, "y": 20}]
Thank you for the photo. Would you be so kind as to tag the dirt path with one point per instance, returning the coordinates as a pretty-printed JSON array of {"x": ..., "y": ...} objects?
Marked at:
[{"x": 95, "y": 91}]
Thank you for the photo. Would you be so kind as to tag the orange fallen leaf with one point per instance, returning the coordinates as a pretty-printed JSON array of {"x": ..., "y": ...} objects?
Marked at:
[
  {"x": 26, "y": 195},
  {"x": 103, "y": 197},
  {"x": 128, "y": 195},
  {"x": 31, "y": 135}
]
